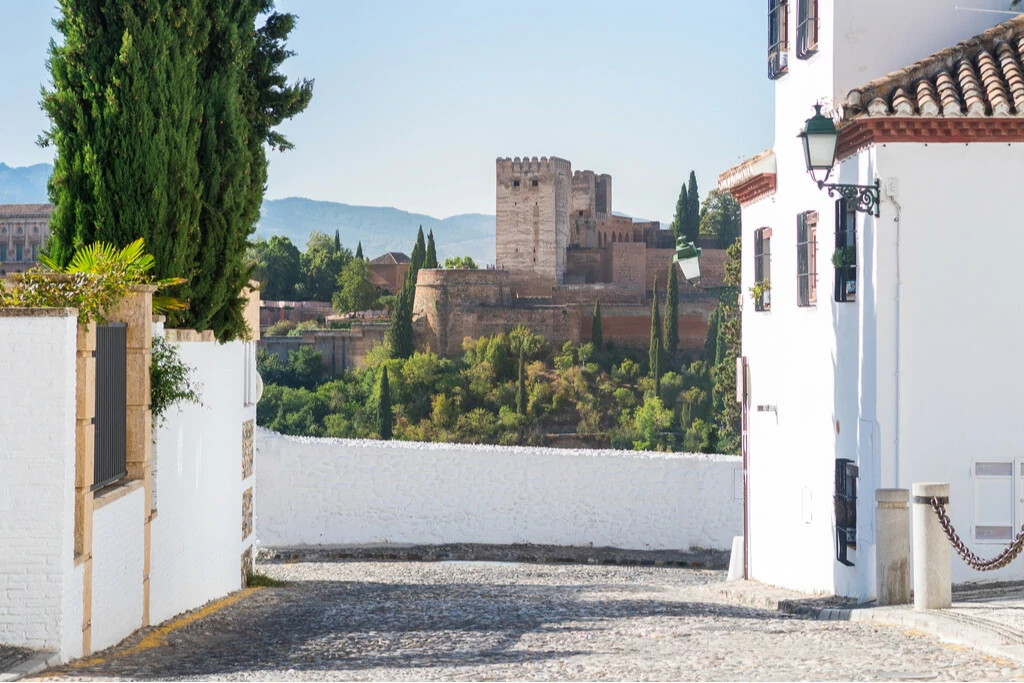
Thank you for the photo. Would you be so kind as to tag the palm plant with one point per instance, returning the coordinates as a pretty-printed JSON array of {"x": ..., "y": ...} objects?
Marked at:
[{"x": 124, "y": 267}]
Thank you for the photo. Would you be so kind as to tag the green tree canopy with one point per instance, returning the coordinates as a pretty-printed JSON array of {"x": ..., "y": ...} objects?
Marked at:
[
  {"x": 321, "y": 265},
  {"x": 679, "y": 221},
  {"x": 276, "y": 268},
  {"x": 384, "y": 415},
  {"x": 457, "y": 262},
  {"x": 672, "y": 313},
  {"x": 356, "y": 292},
  {"x": 692, "y": 209},
  {"x": 431, "y": 258},
  {"x": 720, "y": 217}
]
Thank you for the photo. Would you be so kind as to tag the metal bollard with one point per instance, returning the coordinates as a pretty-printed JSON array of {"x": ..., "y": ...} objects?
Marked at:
[
  {"x": 933, "y": 587},
  {"x": 892, "y": 558}
]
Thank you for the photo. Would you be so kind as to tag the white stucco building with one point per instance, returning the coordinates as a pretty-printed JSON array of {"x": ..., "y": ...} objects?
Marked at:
[{"x": 905, "y": 364}]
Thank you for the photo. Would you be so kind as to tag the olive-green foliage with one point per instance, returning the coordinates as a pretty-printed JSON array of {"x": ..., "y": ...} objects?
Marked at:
[
  {"x": 356, "y": 292},
  {"x": 460, "y": 262},
  {"x": 692, "y": 209},
  {"x": 431, "y": 259},
  {"x": 502, "y": 389},
  {"x": 654, "y": 353},
  {"x": 672, "y": 313},
  {"x": 384, "y": 414},
  {"x": 720, "y": 217},
  {"x": 321, "y": 265},
  {"x": 170, "y": 379}
]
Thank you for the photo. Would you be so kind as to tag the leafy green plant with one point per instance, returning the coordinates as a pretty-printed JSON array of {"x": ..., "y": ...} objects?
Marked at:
[
  {"x": 845, "y": 256},
  {"x": 170, "y": 380},
  {"x": 129, "y": 265},
  {"x": 262, "y": 580},
  {"x": 759, "y": 290}
]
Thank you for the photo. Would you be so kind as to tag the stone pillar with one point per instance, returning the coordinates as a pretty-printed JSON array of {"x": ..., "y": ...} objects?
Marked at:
[
  {"x": 85, "y": 413},
  {"x": 136, "y": 310},
  {"x": 892, "y": 554},
  {"x": 933, "y": 586}
]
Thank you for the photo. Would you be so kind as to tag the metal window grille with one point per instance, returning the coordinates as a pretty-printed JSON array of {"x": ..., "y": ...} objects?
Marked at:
[
  {"x": 763, "y": 267},
  {"x": 846, "y": 508},
  {"x": 846, "y": 236},
  {"x": 807, "y": 258},
  {"x": 109, "y": 434},
  {"x": 778, "y": 47},
  {"x": 807, "y": 29}
]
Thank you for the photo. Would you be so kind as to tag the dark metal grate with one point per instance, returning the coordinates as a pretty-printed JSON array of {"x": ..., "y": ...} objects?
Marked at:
[{"x": 110, "y": 438}]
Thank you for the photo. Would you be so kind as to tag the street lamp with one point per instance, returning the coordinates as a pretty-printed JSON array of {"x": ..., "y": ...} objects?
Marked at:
[
  {"x": 820, "y": 139},
  {"x": 688, "y": 257}
]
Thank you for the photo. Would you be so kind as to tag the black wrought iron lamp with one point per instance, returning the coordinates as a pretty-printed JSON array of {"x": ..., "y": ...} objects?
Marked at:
[{"x": 820, "y": 138}]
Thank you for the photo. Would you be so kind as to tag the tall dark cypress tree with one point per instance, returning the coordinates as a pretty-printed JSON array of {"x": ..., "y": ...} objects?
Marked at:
[
  {"x": 679, "y": 222},
  {"x": 692, "y": 209},
  {"x": 337, "y": 240},
  {"x": 124, "y": 117},
  {"x": 419, "y": 253},
  {"x": 431, "y": 259},
  {"x": 359, "y": 250},
  {"x": 596, "y": 333},
  {"x": 521, "y": 383},
  {"x": 672, "y": 313},
  {"x": 384, "y": 416},
  {"x": 654, "y": 352},
  {"x": 400, "y": 336}
]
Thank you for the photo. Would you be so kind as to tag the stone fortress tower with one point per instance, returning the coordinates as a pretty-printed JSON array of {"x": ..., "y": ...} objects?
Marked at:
[
  {"x": 533, "y": 221},
  {"x": 559, "y": 249}
]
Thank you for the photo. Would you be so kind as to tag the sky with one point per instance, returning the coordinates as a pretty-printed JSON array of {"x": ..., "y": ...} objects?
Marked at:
[{"x": 414, "y": 100}]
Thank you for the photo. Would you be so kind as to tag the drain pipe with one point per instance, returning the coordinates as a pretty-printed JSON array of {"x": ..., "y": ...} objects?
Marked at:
[{"x": 890, "y": 192}]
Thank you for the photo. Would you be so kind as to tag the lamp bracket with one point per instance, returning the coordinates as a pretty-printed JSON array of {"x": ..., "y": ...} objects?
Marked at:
[{"x": 865, "y": 198}]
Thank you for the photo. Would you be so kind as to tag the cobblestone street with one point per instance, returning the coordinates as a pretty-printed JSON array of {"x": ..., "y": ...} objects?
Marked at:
[{"x": 495, "y": 621}]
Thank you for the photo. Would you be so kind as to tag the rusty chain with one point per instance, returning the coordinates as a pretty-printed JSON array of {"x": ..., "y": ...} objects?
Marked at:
[{"x": 1005, "y": 557}]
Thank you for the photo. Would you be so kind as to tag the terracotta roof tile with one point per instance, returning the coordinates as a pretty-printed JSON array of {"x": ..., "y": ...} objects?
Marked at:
[
  {"x": 392, "y": 257},
  {"x": 979, "y": 77}
]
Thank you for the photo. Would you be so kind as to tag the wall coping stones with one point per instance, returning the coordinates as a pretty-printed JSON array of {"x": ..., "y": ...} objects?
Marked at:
[{"x": 343, "y": 444}]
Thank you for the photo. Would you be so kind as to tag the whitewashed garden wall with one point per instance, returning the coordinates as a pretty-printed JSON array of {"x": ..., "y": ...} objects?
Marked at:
[{"x": 355, "y": 492}]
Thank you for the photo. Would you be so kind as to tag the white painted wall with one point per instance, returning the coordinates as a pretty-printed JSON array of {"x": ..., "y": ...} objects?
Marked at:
[
  {"x": 37, "y": 470},
  {"x": 961, "y": 234},
  {"x": 197, "y": 532},
  {"x": 352, "y": 492},
  {"x": 118, "y": 553}
]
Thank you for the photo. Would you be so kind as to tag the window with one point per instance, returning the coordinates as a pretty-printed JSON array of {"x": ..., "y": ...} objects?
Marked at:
[
  {"x": 18, "y": 252},
  {"x": 846, "y": 508},
  {"x": 35, "y": 252},
  {"x": 762, "y": 269},
  {"x": 844, "y": 258},
  {"x": 994, "y": 501},
  {"x": 515, "y": 183},
  {"x": 533, "y": 183},
  {"x": 3, "y": 252},
  {"x": 807, "y": 258},
  {"x": 778, "y": 55},
  {"x": 807, "y": 29}
]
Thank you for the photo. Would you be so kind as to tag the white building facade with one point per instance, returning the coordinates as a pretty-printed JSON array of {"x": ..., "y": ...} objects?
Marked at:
[{"x": 898, "y": 367}]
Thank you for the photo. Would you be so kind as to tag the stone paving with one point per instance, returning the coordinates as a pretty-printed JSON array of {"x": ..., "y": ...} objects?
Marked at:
[{"x": 504, "y": 621}]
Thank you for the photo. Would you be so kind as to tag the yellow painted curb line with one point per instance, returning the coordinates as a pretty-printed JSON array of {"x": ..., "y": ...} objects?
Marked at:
[{"x": 158, "y": 636}]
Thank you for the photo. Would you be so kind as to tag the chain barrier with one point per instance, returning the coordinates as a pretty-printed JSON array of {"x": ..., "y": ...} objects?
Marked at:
[{"x": 1005, "y": 557}]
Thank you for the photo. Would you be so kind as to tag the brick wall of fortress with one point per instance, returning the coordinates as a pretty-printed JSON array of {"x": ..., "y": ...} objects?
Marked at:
[
  {"x": 453, "y": 304},
  {"x": 525, "y": 244}
]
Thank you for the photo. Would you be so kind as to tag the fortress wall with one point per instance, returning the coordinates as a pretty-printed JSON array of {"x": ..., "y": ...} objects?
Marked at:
[{"x": 629, "y": 264}]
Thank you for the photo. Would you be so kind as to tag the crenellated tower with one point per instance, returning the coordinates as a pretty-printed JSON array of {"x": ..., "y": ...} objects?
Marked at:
[{"x": 532, "y": 225}]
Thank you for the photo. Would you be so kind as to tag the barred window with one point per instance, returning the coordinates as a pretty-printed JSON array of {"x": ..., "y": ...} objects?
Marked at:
[
  {"x": 762, "y": 269},
  {"x": 807, "y": 29},
  {"x": 807, "y": 258},
  {"x": 844, "y": 258},
  {"x": 778, "y": 46}
]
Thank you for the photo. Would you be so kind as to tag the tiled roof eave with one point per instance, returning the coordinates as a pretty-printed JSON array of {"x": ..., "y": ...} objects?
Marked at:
[{"x": 865, "y": 131}]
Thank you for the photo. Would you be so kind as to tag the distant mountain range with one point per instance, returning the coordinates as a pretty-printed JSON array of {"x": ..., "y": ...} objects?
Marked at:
[{"x": 380, "y": 229}]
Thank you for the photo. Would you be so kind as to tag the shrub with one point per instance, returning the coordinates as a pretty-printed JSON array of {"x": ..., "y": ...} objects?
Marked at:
[{"x": 170, "y": 380}]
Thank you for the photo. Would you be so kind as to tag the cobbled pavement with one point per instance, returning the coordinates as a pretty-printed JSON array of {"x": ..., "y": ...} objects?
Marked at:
[{"x": 495, "y": 621}]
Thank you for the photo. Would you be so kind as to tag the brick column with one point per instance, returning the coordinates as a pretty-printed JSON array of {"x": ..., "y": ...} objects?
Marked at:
[
  {"x": 85, "y": 413},
  {"x": 137, "y": 311}
]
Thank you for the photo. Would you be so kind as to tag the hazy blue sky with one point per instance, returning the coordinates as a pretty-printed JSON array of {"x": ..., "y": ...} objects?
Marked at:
[{"x": 414, "y": 100}]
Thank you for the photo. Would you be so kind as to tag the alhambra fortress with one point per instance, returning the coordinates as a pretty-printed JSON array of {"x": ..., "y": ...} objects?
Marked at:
[{"x": 560, "y": 248}]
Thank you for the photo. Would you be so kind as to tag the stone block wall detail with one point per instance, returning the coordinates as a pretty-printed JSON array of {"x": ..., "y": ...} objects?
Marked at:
[
  {"x": 247, "y": 448},
  {"x": 247, "y": 566},
  {"x": 246, "y": 513}
]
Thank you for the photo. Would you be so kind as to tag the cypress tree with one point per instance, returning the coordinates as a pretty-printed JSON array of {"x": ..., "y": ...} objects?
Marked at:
[
  {"x": 431, "y": 258},
  {"x": 657, "y": 370},
  {"x": 359, "y": 250},
  {"x": 400, "y": 334},
  {"x": 124, "y": 117},
  {"x": 337, "y": 240},
  {"x": 672, "y": 313},
  {"x": 419, "y": 253},
  {"x": 679, "y": 222},
  {"x": 384, "y": 416},
  {"x": 655, "y": 348},
  {"x": 692, "y": 209},
  {"x": 521, "y": 384},
  {"x": 596, "y": 334}
]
